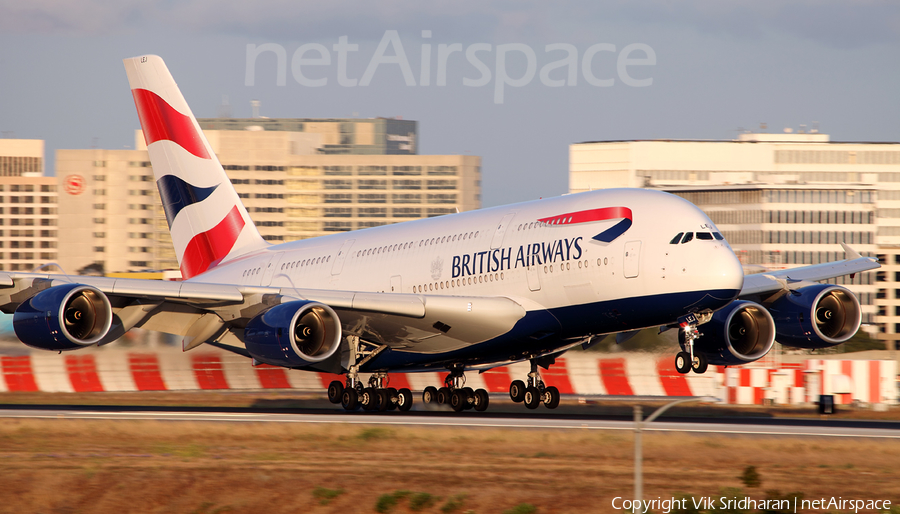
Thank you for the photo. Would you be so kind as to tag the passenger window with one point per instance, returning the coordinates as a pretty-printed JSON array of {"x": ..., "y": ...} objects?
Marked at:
[
  {"x": 687, "y": 237},
  {"x": 676, "y": 239},
  {"x": 706, "y": 236},
  {"x": 718, "y": 236}
]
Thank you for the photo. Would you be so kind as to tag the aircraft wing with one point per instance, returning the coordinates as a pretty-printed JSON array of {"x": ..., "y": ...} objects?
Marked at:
[
  {"x": 203, "y": 311},
  {"x": 771, "y": 282}
]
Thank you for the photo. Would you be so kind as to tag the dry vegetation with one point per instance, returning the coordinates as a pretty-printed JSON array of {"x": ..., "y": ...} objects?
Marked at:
[{"x": 71, "y": 466}]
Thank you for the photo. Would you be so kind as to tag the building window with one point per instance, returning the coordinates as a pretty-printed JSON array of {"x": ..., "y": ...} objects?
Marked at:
[
  {"x": 442, "y": 198},
  {"x": 371, "y": 198},
  {"x": 372, "y": 212},
  {"x": 371, "y": 184},
  {"x": 338, "y": 212},
  {"x": 408, "y": 184},
  {"x": 338, "y": 184},
  {"x": 337, "y": 226},
  {"x": 407, "y": 198},
  {"x": 441, "y": 184}
]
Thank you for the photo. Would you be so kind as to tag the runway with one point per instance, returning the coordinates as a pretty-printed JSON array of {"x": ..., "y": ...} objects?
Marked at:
[{"x": 797, "y": 427}]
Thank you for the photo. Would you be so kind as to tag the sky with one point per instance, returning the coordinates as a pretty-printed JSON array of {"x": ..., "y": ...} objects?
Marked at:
[{"x": 515, "y": 82}]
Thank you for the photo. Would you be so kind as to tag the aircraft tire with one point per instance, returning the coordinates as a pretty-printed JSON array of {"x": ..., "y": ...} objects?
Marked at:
[
  {"x": 350, "y": 399},
  {"x": 532, "y": 397},
  {"x": 700, "y": 364},
  {"x": 551, "y": 397},
  {"x": 443, "y": 395},
  {"x": 335, "y": 391},
  {"x": 391, "y": 394},
  {"x": 382, "y": 400},
  {"x": 458, "y": 400},
  {"x": 429, "y": 395},
  {"x": 404, "y": 400},
  {"x": 517, "y": 391},
  {"x": 368, "y": 399},
  {"x": 482, "y": 400},
  {"x": 469, "y": 397},
  {"x": 682, "y": 362}
]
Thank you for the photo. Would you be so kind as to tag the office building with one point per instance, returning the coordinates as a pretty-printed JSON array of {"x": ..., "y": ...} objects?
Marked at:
[{"x": 28, "y": 206}]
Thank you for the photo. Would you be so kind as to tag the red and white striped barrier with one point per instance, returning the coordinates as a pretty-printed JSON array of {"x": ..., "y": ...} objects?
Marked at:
[
  {"x": 164, "y": 369},
  {"x": 869, "y": 381}
]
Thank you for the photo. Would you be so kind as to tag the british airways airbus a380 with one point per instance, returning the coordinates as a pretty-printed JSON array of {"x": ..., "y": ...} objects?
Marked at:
[{"x": 463, "y": 292}]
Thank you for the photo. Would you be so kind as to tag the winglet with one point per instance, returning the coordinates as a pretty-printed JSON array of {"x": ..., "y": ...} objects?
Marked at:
[{"x": 850, "y": 253}]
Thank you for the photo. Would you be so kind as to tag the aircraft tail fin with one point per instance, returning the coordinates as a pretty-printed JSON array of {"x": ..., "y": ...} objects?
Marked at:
[{"x": 206, "y": 218}]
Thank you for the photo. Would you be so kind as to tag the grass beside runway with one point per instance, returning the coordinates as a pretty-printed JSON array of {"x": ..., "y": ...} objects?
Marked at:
[{"x": 63, "y": 465}]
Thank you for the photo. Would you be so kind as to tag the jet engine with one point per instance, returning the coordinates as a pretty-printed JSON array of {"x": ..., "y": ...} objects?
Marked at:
[
  {"x": 294, "y": 334},
  {"x": 66, "y": 317},
  {"x": 740, "y": 333},
  {"x": 816, "y": 316}
]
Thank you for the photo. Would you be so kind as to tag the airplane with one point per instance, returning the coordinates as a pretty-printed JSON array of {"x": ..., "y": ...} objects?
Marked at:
[{"x": 458, "y": 293}]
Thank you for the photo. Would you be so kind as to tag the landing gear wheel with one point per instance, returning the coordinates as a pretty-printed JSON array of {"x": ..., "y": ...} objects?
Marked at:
[
  {"x": 368, "y": 400},
  {"x": 443, "y": 395},
  {"x": 458, "y": 400},
  {"x": 700, "y": 364},
  {"x": 349, "y": 399},
  {"x": 517, "y": 391},
  {"x": 469, "y": 396},
  {"x": 391, "y": 397},
  {"x": 404, "y": 399},
  {"x": 382, "y": 400},
  {"x": 551, "y": 397},
  {"x": 335, "y": 392},
  {"x": 532, "y": 397},
  {"x": 682, "y": 362},
  {"x": 481, "y": 400},
  {"x": 429, "y": 395}
]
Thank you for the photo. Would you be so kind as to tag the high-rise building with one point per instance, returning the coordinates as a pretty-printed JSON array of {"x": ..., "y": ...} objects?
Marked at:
[
  {"x": 21, "y": 156},
  {"x": 782, "y": 200},
  {"x": 297, "y": 179},
  {"x": 28, "y": 209}
]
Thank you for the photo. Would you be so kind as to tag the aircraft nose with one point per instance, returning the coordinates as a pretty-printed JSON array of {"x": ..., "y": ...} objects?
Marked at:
[{"x": 724, "y": 270}]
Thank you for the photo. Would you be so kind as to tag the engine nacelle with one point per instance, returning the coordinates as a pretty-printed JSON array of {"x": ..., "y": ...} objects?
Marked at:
[
  {"x": 66, "y": 317},
  {"x": 816, "y": 316},
  {"x": 294, "y": 334},
  {"x": 740, "y": 333}
]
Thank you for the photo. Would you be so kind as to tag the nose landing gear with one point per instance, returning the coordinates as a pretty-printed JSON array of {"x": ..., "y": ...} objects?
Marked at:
[{"x": 687, "y": 359}]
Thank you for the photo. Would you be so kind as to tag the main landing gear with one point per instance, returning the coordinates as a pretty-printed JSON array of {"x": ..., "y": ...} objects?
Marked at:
[
  {"x": 687, "y": 360},
  {"x": 455, "y": 394},
  {"x": 534, "y": 392},
  {"x": 375, "y": 397}
]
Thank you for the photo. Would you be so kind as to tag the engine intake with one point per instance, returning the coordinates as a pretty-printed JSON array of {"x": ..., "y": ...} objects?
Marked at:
[
  {"x": 294, "y": 334},
  {"x": 66, "y": 317},
  {"x": 740, "y": 333},
  {"x": 816, "y": 316}
]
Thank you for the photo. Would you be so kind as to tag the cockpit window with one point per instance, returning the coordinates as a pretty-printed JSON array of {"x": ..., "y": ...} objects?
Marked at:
[
  {"x": 718, "y": 236},
  {"x": 676, "y": 239},
  {"x": 706, "y": 236},
  {"x": 687, "y": 237}
]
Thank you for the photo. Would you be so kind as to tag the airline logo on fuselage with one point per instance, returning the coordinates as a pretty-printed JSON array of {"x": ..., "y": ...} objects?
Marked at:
[
  {"x": 499, "y": 259},
  {"x": 536, "y": 254},
  {"x": 592, "y": 215}
]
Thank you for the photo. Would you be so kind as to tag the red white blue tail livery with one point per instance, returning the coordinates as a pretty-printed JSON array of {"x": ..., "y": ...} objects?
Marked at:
[{"x": 208, "y": 222}]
